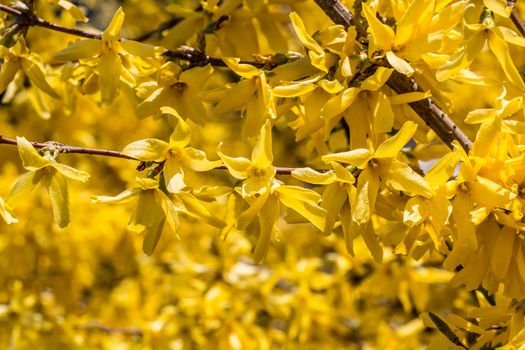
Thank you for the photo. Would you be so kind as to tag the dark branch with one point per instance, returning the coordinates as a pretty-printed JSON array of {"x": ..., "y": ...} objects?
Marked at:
[
  {"x": 70, "y": 149},
  {"x": 518, "y": 21},
  {"x": 195, "y": 57},
  {"x": 61, "y": 148}
]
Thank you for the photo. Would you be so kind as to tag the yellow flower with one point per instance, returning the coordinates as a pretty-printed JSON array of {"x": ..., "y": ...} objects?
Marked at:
[
  {"x": 108, "y": 51},
  {"x": 411, "y": 30},
  {"x": 497, "y": 38},
  {"x": 18, "y": 57},
  {"x": 182, "y": 91},
  {"x": 380, "y": 166},
  {"x": 45, "y": 169},
  {"x": 253, "y": 92},
  {"x": 174, "y": 153},
  {"x": 338, "y": 196},
  {"x": 154, "y": 207},
  {"x": 265, "y": 194}
]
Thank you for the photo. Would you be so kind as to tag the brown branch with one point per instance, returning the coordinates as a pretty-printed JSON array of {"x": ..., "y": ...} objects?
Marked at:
[
  {"x": 195, "y": 57},
  {"x": 427, "y": 110},
  {"x": 518, "y": 21},
  {"x": 61, "y": 148}
]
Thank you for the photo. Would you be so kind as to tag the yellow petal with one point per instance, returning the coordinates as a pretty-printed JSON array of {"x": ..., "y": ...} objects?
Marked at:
[
  {"x": 262, "y": 154},
  {"x": 152, "y": 237},
  {"x": 414, "y": 20},
  {"x": 6, "y": 213},
  {"x": 181, "y": 135},
  {"x": 109, "y": 67},
  {"x": 112, "y": 32},
  {"x": 294, "y": 90},
  {"x": 464, "y": 58},
  {"x": 501, "y": 254},
  {"x": 81, "y": 49},
  {"x": 382, "y": 113},
  {"x": 303, "y": 36},
  {"x": 246, "y": 71},
  {"x": 382, "y": 35},
  {"x": 401, "y": 177},
  {"x": 23, "y": 186},
  {"x": 391, "y": 147},
  {"x": 488, "y": 134},
  {"x": 339, "y": 103},
  {"x": 147, "y": 212},
  {"x": 147, "y": 150},
  {"x": 56, "y": 185},
  {"x": 302, "y": 201},
  {"x": 31, "y": 160},
  {"x": 170, "y": 211},
  {"x": 7, "y": 73},
  {"x": 441, "y": 171},
  {"x": 268, "y": 217},
  {"x": 236, "y": 166},
  {"x": 499, "y": 7},
  {"x": 71, "y": 172},
  {"x": 72, "y": 10},
  {"x": 152, "y": 104},
  {"x": 173, "y": 176},
  {"x": 140, "y": 49},
  {"x": 377, "y": 80},
  {"x": 37, "y": 77},
  {"x": 372, "y": 243},
  {"x": 481, "y": 115},
  {"x": 367, "y": 188},
  {"x": 342, "y": 174},
  {"x": 311, "y": 176},
  {"x": 501, "y": 50},
  {"x": 461, "y": 207},
  {"x": 236, "y": 97},
  {"x": 358, "y": 157},
  {"x": 196, "y": 160},
  {"x": 399, "y": 64},
  {"x": 346, "y": 223},
  {"x": 332, "y": 201},
  {"x": 246, "y": 217},
  {"x": 195, "y": 208},
  {"x": 123, "y": 197}
]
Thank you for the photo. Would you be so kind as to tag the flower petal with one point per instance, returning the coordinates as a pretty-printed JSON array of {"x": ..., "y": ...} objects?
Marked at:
[
  {"x": 31, "y": 160},
  {"x": 147, "y": 150},
  {"x": 81, "y": 49},
  {"x": 358, "y": 157},
  {"x": 112, "y": 32},
  {"x": 392, "y": 146}
]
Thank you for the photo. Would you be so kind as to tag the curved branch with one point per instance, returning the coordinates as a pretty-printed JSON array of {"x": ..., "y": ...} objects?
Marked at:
[
  {"x": 427, "y": 110},
  {"x": 61, "y": 148},
  {"x": 195, "y": 57}
]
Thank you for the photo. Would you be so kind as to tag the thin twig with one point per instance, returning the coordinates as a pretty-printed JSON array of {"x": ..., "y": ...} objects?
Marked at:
[
  {"x": 185, "y": 53},
  {"x": 433, "y": 116},
  {"x": 61, "y": 148},
  {"x": 518, "y": 21}
]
